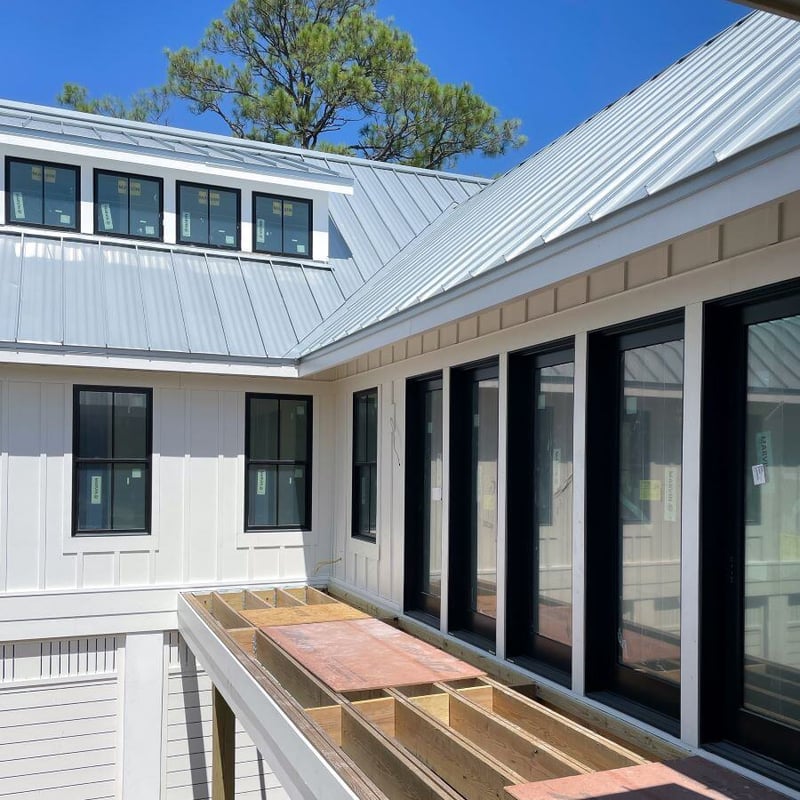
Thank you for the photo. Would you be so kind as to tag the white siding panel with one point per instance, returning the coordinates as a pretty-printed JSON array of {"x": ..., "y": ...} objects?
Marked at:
[
  {"x": 59, "y": 705},
  {"x": 187, "y": 767}
]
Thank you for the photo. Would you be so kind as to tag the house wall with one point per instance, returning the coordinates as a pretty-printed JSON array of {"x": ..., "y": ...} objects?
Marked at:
[{"x": 753, "y": 250}]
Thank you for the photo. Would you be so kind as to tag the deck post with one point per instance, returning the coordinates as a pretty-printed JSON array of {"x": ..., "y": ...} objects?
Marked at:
[{"x": 224, "y": 748}]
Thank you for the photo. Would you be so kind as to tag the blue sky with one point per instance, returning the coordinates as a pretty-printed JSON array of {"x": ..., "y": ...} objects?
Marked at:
[{"x": 552, "y": 64}]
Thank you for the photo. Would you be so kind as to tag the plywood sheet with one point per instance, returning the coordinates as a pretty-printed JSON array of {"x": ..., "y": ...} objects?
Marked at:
[
  {"x": 691, "y": 778},
  {"x": 351, "y": 655},
  {"x": 294, "y": 615}
]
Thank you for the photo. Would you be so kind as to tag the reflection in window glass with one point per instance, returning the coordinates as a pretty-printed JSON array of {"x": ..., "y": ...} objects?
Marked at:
[
  {"x": 772, "y": 514},
  {"x": 282, "y": 225},
  {"x": 278, "y": 458},
  {"x": 483, "y": 572},
  {"x": 553, "y": 498},
  {"x": 128, "y": 205},
  {"x": 365, "y": 463},
  {"x": 650, "y": 441},
  {"x": 208, "y": 215},
  {"x": 43, "y": 194}
]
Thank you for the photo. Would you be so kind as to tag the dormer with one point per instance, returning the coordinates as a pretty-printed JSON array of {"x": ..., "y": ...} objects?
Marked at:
[{"x": 69, "y": 172}]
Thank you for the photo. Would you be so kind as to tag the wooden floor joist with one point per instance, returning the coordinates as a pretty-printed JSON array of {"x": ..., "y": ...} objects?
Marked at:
[{"x": 467, "y": 737}]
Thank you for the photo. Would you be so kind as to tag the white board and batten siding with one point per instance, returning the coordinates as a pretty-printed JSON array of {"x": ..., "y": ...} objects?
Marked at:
[
  {"x": 59, "y": 712},
  {"x": 197, "y": 531},
  {"x": 187, "y": 738}
]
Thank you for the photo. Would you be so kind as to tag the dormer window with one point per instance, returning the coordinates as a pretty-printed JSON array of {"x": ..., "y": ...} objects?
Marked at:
[
  {"x": 41, "y": 193},
  {"x": 208, "y": 215},
  {"x": 281, "y": 225},
  {"x": 127, "y": 205}
]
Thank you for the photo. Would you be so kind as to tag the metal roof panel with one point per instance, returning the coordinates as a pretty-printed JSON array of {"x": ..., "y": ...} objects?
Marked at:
[
  {"x": 41, "y": 317},
  {"x": 84, "y": 300}
]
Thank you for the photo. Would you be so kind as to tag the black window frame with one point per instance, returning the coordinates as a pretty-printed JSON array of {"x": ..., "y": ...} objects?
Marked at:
[
  {"x": 279, "y": 462},
  {"x": 146, "y": 461},
  {"x": 209, "y": 188},
  {"x": 284, "y": 198},
  {"x": 129, "y": 176},
  {"x": 356, "y": 531},
  {"x": 43, "y": 164}
]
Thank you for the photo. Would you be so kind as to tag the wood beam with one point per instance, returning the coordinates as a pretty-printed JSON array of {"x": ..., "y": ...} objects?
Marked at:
[{"x": 223, "y": 765}]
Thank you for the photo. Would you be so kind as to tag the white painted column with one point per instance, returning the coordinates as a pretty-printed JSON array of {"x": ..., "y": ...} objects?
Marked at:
[
  {"x": 445, "y": 577},
  {"x": 502, "y": 478},
  {"x": 142, "y": 679},
  {"x": 690, "y": 525},
  {"x": 579, "y": 517}
]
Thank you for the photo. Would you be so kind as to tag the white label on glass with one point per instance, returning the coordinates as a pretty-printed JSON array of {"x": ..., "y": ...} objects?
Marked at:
[
  {"x": 261, "y": 481},
  {"x": 630, "y": 405},
  {"x": 97, "y": 490},
  {"x": 759, "y": 475},
  {"x": 298, "y": 473},
  {"x": 150, "y": 230},
  {"x": 671, "y": 493},
  {"x": 19, "y": 205},
  {"x": 66, "y": 219},
  {"x": 230, "y": 239},
  {"x": 136, "y": 473},
  {"x": 186, "y": 224},
  {"x": 260, "y": 231},
  {"x": 105, "y": 213},
  {"x": 301, "y": 248},
  {"x": 541, "y": 401},
  {"x": 436, "y": 494}
]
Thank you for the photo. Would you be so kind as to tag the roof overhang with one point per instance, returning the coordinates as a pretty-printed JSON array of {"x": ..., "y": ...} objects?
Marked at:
[
  {"x": 744, "y": 181},
  {"x": 786, "y": 8}
]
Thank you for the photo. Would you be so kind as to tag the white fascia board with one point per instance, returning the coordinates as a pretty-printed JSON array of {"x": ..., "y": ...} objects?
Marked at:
[
  {"x": 301, "y": 769},
  {"x": 17, "y": 354},
  {"x": 756, "y": 176},
  {"x": 128, "y": 158}
]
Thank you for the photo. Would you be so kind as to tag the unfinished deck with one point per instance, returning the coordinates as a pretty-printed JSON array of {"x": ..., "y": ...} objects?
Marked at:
[{"x": 399, "y": 718}]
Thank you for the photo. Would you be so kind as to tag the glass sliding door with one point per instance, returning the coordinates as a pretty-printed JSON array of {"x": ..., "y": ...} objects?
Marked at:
[
  {"x": 473, "y": 502},
  {"x": 635, "y": 429},
  {"x": 540, "y": 510},
  {"x": 751, "y": 657},
  {"x": 424, "y": 474}
]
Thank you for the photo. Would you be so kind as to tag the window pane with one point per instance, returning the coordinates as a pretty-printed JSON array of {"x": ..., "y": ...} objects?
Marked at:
[
  {"x": 193, "y": 222},
  {"x": 651, "y": 424},
  {"x": 129, "y": 505},
  {"x": 372, "y": 426},
  {"x": 294, "y": 421},
  {"x": 111, "y": 204},
  {"x": 373, "y": 497},
  {"x": 94, "y": 497},
  {"x": 295, "y": 227},
  {"x": 224, "y": 217},
  {"x": 553, "y": 497},
  {"x": 268, "y": 231},
  {"x": 26, "y": 187},
  {"x": 772, "y": 522},
  {"x": 291, "y": 495},
  {"x": 360, "y": 430},
  {"x": 130, "y": 425},
  {"x": 145, "y": 205},
  {"x": 362, "y": 499},
  {"x": 95, "y": 424},
  {"x": 263, "y": 428},
  {"x": 60, "y": 207},
  {"x": 262, "y": 496}
]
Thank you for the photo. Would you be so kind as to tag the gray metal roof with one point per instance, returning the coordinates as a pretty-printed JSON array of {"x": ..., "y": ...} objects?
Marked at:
[{"x": 735, "y": 91}]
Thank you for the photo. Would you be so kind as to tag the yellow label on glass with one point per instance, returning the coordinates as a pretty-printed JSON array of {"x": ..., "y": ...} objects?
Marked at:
[
  {"x": 287, "y": 209},
  {"x": 202, "y": 195},
  {"x": 649, "y": 490},
  {"x": 49, "y": 175},
  {"x": 36, "y": 173},
  {"x": 214, "y": 198},
  {"x": 276, "y": 207},
  {"x": 136, "y": 189},
  {"x": 122, "y": 185}
]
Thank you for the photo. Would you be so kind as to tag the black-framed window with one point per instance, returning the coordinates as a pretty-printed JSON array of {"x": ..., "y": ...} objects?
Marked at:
[
  {"x": 278, "y": 439},
  {"x": 365, "y": 464},
  {"x": 282, "y": 225},
  {"x": 42, "y": 193},
  {"x": 208, "y": 215},
  {"x": 128, "y": 205},
  {"x": 112, "y": 455}
]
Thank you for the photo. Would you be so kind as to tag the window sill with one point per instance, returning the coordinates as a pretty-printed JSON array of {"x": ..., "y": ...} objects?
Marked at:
[{"x": 278, "y": 537}]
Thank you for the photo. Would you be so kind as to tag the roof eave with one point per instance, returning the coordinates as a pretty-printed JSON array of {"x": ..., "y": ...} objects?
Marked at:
[{"x": 757, "y": 175}]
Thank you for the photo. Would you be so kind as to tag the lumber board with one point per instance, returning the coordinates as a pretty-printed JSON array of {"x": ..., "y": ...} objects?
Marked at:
[
  {"x": 315, "y": 597},
  {"x": 225, "y": 614},
  {"x": 470, "y": 771},
  {"x": 329, "y": 718},
  {"x": 223, "y": 760},
  {"x": 284, "y": 599},
  {"x": 252, "y": 600},
  {"x": 437, "y": 705},
  {"x": 296, "y": 615},
  {"x": 586, "y": 746},
  {"x": 379, "y": 712},
  {"x": 244, "y": 638}
]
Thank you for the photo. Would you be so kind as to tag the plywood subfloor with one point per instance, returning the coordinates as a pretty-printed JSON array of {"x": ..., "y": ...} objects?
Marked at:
[
  {"x": 692, "y": 778},
  {"x": 298, "y": 615},
  {"x": 358, "y": 654}
]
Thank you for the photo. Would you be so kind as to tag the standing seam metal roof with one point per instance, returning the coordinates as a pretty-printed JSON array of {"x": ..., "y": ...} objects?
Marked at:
[{"x": 736, "y": 90}]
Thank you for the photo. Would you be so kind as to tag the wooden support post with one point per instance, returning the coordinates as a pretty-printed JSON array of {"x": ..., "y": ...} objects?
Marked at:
[{"x": 223, "y": 768}]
